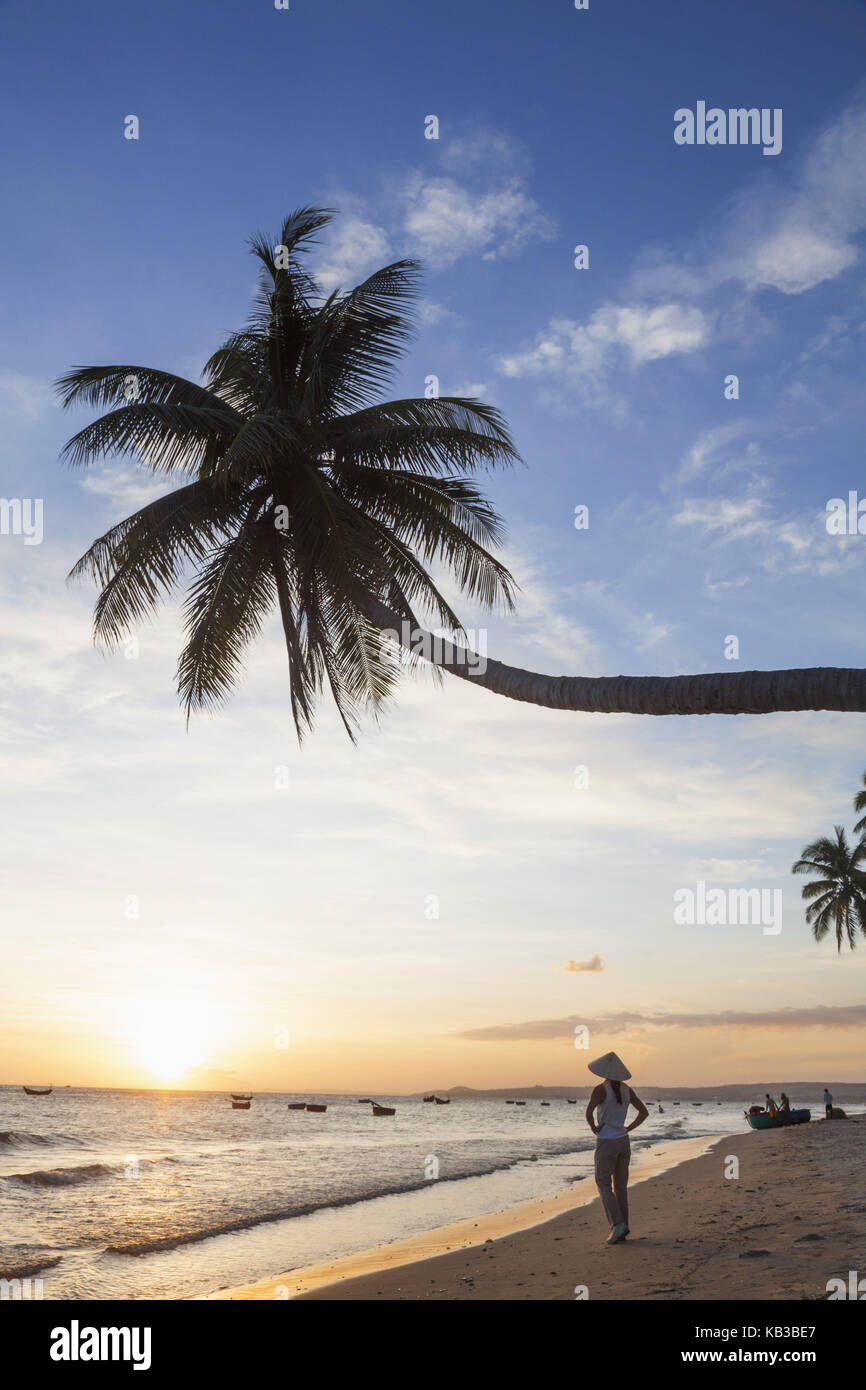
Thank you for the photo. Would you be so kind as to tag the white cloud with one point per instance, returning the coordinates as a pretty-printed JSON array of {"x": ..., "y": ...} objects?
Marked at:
[
  {"x": 430, "y": 312},
  {"x": 355, "y": 249},
  {"x": 650, "y": 333},
  {"x": 580, "y": 350},
  {"x": 795, "y": 259},
  {"x": 469, "y": 388},
  {"x": 789, "y": 238},
  {"x": 125, "y": 486},
  {"x": 806, "y": 239},
  {"x": 445, "y": 220}
]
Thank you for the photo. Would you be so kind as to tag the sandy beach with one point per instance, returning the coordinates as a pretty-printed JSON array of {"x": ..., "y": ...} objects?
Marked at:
[{"x": 793, "y": 1219}]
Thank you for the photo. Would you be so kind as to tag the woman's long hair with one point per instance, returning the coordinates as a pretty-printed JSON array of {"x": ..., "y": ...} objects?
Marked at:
[{"x": 617, "y": 1090}]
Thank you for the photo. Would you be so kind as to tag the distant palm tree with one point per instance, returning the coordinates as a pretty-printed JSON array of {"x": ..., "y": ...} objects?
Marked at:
[
  {"x": 860, "y": 805},
  {"x": 303, "y": 492},
  {"x": 837, "y": 897}
]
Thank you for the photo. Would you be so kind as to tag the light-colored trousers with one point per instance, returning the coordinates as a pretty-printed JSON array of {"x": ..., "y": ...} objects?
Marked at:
[{"x": 611, "y": 1176}]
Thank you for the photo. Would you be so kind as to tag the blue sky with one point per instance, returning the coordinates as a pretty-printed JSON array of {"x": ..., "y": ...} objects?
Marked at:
[{"x": 707, "y": 518}]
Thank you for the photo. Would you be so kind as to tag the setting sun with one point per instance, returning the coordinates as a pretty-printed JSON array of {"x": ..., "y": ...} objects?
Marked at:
[{"x": 168, "y": 1036}]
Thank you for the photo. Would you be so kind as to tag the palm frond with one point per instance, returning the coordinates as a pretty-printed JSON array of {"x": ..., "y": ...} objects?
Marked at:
[
  {"x": 139, "y": 561},
  {"x": 225, "y": 609}
]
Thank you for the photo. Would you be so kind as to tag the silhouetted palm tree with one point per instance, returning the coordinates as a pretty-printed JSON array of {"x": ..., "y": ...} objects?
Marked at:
[
  {"x": 837, "y": 897},
  {"x": 860, "y": 805},
  {"x": 305, "y": 494},
  {"x": 302, "y": 491}
]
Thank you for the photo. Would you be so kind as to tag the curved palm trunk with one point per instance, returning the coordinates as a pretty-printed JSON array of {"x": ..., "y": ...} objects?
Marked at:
[{"x": 728, "y": 692}]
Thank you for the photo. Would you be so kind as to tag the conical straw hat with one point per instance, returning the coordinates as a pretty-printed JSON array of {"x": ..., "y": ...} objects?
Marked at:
[{"x": 610, "y": 1067}]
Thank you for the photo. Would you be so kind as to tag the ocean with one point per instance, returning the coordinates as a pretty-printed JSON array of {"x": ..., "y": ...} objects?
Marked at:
[{"x": 161, "y": 1194}]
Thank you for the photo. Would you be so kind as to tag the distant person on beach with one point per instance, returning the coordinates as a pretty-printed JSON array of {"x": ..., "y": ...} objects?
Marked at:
[
  {"x": 828, "y": 1105},
  {"x": 611, "y": 1101}
]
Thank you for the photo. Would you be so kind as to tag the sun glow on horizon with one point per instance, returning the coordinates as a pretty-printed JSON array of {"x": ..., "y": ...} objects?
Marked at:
[{"x": 168, "y": 1036}]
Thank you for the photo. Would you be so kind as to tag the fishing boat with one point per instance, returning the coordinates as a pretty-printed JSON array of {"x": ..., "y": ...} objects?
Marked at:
[
  {"x": 520, "y": 1102},
  {"x": 509, "y": 1102},
  {"x": 439, "y": 1100},
  {"x": 382, "y": 1109},
  {"x": 296, "y": 1105},
  {"x": 761, "y": 1119},
  {"x": 316, "y": 1109},
  {"x": 365, "y": 1100},
  {"x": 243, "y": 1095},
  {"x": 38, "y": 1090},
  {"x": 572, "y": 1102},
  {"x": 428, "y": 1100},
  {"x": 545, "y": 1102},
  {"x": 240, "y": 1105}
]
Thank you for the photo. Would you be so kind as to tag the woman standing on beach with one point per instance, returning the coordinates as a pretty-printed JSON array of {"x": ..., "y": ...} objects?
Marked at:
[{"x": 612, "y": 1145}]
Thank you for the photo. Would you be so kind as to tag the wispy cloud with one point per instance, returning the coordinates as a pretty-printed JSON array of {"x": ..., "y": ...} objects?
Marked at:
[
  {"x": 355, "y": 248},
  {"x": 549, "y": 1029},
  {"x": 593, "y": 966},
  {"x": 125, "y": 486},
  {"x": 706, "y": 451},
  {"x": 787, "y": 544},
  {"x": 788, "y": 239},
  {"x": 634, "y": 333},
  {"x": 24, "y": 395},
  {"x": 472, "y": 199}
]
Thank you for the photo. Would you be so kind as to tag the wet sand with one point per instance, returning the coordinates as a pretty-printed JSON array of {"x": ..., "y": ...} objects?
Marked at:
[{"x": 793, "y": 1219}]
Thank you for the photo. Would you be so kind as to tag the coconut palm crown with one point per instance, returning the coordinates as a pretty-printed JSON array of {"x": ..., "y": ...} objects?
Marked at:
[
  {"x": 837, "y": 895},
  {"x": 298, "y": 488}
]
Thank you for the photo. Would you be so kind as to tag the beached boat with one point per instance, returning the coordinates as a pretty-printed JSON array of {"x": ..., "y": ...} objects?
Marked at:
[
  {"x": 520, "y": 1102},
  {"x": 509, "y": 1102},
  {"x": 240, "y": 1105},
  {"x": 428, "y": 1100},
  {"x": 296, "y": 1105},
  {"x": 317, "y": 1109},
  {"x": 382, "y": 1109},
  {"x": 38, "y": 1090},
  {"x": 572, "y": 1102},
  {"x": 439, "y": 1101},
  {"x": 762, "y": 1120},
  {"x": 545, "y": 1102}
]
